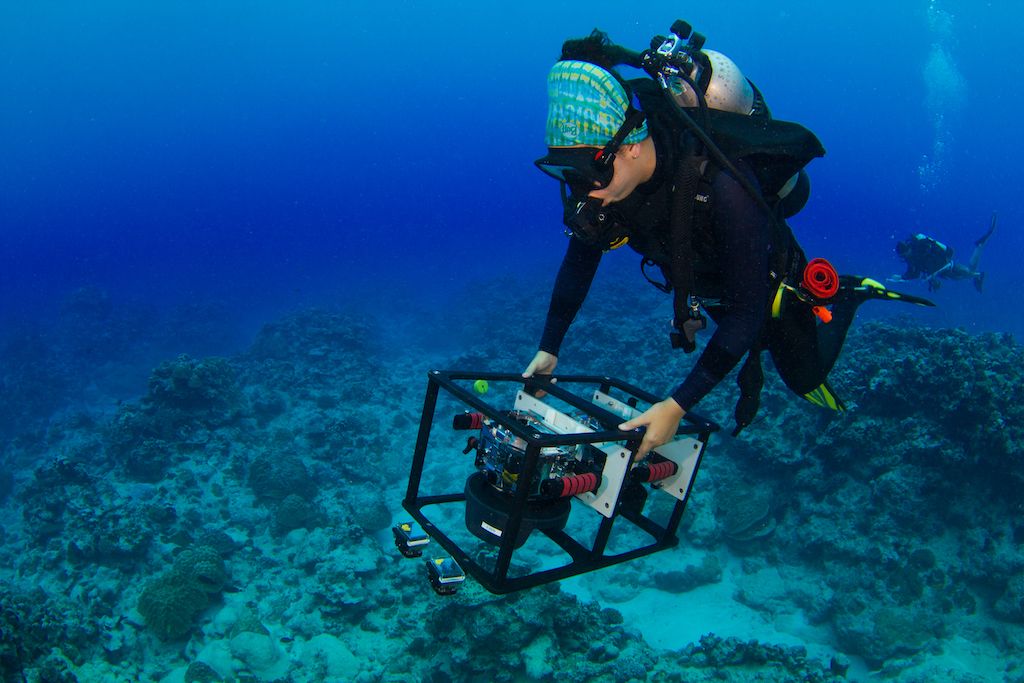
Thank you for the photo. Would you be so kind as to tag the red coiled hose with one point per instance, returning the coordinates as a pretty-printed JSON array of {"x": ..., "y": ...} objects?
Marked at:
[{"x": 821, "y": 279}]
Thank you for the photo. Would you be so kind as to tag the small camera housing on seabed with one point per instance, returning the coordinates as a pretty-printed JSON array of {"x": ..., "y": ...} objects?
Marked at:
[{"x": 546, "y": 465}]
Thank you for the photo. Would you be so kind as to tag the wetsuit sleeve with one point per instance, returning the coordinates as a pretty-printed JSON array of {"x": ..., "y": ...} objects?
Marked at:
[
  {"x": 571, "y": 286},
  {"x": 742, "y": 235}
]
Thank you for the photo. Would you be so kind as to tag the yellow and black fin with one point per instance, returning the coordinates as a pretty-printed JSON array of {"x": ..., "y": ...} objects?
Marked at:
[
  {"x": 824, "y": 397},
  {"x": 867, "y": 288}
]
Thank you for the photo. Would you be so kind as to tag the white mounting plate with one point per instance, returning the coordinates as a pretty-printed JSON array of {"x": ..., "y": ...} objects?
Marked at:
[
  {"x": 683, "y": 451},
  {"x": 617, "y": 460}
]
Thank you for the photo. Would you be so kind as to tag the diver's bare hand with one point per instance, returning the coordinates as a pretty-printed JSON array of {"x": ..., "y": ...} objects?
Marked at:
[
  {"x": 542, "y": 364},
  {"x": 662, "y": 421}
]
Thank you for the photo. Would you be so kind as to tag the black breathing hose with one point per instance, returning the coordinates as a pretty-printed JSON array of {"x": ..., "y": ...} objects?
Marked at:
[{"x": 639, "y": 60}]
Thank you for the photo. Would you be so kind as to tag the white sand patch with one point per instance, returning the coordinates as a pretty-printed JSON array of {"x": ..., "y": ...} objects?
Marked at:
[{"x": 671, "y": 621}]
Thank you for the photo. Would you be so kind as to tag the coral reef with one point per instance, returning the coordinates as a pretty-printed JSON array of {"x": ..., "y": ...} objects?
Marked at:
[
  {"x": 746, "y": 513},
  {"x": 34, "y": 623},
  {"x": 773, "y": 662},
  {"x": 187, "y": 402},
  {"x": 891, "y": 531},
  {"x": 202, "y": 389},
  {"x": 275, "y": 476},
  {"x": 691, "y": 576},
  {"x": 295, "y": 512},
  {"x": 198, "y": 672},
  {"x": 884, "y": 489},
  {"x": 543, "y": 634},
  {"x": 171, "y": 602}
]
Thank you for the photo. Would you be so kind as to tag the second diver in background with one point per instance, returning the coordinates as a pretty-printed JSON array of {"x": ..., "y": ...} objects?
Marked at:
[{"x": 930, "y": 260}]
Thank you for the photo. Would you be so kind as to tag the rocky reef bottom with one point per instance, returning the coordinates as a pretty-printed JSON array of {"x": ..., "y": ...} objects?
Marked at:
[{"x": 232, "y": 523}]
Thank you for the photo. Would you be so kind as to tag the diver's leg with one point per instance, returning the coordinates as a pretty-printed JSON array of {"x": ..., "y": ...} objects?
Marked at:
[
  {"x": 750, "y": 381},
  {"x": 832, "y": 336},
  {"x": 805, "y": 351},
  {"x": 794, "y": 342},
  {"x": 976, "y": 257},
  {"x": 853, "y": 291},
  {"x": 979, "y": 245},
  {"x": 958, "y": 272}
]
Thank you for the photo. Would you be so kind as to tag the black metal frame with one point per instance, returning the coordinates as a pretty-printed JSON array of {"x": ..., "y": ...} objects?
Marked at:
[{"x": 583, "y": 559}]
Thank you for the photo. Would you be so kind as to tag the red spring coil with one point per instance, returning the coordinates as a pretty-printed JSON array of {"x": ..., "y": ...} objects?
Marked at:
[
  {"x": 661, "y": 470},
  {"x": 577, "y": 484},
  {"x": 821, "y": 279}
]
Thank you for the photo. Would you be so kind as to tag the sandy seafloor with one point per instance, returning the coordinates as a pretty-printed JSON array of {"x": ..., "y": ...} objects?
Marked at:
[{"x": 230, "y": 519}]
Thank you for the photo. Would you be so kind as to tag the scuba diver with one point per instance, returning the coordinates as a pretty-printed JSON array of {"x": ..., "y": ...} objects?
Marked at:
[
  {"x": 928, "y": 259},
  {"x": 690, "y": 170}
]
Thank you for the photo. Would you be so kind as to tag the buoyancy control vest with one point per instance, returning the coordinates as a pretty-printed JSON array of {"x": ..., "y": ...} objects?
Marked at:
[
  {"x": 703, "y": 141},
  {"x": 774, "y": 151}
]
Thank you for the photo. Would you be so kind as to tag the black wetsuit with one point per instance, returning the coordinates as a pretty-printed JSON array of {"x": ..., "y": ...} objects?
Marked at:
[
  {"x": 733, "y": 272},
  {"x": 925, "y": 257}
]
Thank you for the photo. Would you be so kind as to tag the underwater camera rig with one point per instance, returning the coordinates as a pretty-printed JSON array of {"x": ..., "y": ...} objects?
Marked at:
[{"x": 558, "y": 466}]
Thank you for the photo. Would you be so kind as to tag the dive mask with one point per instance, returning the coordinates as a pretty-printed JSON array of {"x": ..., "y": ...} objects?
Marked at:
[
  {"x": 581, "y": 168},
  {"x": 580, "y": 171},
  {"x": 587, "y": 167}
]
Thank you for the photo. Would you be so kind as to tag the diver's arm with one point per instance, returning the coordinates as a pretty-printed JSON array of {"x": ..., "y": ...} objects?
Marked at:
[
  {"x": 661, "y": 420},
  {"x": 743, "y": 241},
  {"x": 571, "y": 287}
]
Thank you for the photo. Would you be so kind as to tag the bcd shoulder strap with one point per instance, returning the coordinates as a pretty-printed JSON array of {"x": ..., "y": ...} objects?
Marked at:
[{"x": 682, "y": 228}]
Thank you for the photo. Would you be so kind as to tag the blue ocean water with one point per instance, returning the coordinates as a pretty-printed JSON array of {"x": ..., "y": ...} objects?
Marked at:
[
  {"x": 272, "y": 156},
  {"x": 176, "y": 176}
]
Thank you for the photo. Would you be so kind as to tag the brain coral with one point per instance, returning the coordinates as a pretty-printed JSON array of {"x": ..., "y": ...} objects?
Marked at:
[
  {"x": 169, "y": 604},
  {"x": 203, "y": 567},
  {"x": 275, "y": 476}
]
